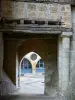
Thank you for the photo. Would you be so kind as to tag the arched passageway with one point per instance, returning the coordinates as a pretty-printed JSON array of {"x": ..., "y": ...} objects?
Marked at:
[
  {"x": 47, "y": 50},
  {"x": 26, "y": 66},
  {"x": 31, "y": 63},
  {"x": 16, "y": 49},
  {"x": 32, "y": 77}
]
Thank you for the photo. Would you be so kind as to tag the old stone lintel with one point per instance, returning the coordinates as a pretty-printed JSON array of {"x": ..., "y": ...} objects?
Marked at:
[{"x": 46, "y": 1}]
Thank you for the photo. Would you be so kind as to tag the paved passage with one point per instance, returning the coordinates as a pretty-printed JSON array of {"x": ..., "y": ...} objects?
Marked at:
[
  {"x": 31, "y": 84},
  {"x": 31, "y": 88}
]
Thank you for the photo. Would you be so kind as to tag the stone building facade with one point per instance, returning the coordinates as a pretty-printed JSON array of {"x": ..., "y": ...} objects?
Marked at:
[{"x": 45, "y": 27}]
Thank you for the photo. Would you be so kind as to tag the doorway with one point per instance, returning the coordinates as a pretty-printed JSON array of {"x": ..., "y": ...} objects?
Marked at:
[
  {"x": 46, "y": 66},
  {"x": 44, "y": 45}
]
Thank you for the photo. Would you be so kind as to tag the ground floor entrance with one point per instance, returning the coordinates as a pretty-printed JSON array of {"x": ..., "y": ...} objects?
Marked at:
[
  {"x": 52, "y": 49},
  {"x": 45, "y": 46},
  {"x": 41, "y": 54},
  {"x": 31, "y": 63}
]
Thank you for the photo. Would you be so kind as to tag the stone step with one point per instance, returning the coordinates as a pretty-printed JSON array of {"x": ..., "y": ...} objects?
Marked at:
[{"x": 28, "y": 97}]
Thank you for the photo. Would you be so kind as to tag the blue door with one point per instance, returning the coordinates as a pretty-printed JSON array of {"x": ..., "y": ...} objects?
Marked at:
[
  {"x": 40, "y": 66},
  {"x": 26, "y": 66}
]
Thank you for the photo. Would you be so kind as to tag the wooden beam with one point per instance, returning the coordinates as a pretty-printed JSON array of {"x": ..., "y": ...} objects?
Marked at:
[{"x": 26, "y": 36}]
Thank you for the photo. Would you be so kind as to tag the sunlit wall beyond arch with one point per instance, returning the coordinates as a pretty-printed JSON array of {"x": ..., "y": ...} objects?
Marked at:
[{"x": 31, "y": 63}]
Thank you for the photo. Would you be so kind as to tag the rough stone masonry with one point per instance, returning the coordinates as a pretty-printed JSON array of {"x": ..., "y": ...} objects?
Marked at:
[{"x": 62, "y": 11}]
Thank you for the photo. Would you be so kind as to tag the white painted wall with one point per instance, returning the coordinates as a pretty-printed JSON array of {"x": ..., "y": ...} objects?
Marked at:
[{"x": 27, "y": 56}]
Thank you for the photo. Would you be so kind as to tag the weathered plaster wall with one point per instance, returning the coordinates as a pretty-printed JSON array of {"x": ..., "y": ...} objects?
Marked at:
[{"x": 10, "y": 59}]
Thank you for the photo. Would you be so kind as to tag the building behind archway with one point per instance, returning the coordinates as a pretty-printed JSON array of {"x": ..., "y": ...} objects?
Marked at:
[{"x": 32, "y": 63}]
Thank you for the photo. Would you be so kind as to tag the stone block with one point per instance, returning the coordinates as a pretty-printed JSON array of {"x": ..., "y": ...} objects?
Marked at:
[
  {"x": 65, "y": 63},
  {"x": 64, "y": 85},
  {"x": 65, "y": 54},
  {"x": 18, "y": 10},
  {"x": 66, "y": 16},
  {"x": 44, "y": 11},
  {"x": 7, "y": 8},
  {"x": 66, "y": 34},
  {"x": 65, "y": 74}
]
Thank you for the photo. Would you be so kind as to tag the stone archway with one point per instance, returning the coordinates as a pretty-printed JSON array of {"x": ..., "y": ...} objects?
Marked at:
[
  {"x": 29, "y": 74},
  {"x": 45, "y": 46},
  {"x": 47, "y": 49},
  {"x": 32, "y": 59}
]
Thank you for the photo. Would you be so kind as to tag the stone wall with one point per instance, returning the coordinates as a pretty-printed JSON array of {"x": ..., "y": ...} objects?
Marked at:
[
  {"x": 7, "y": 86},
  {"x": 64, "y": 61},
  {"x": 73, "y": 40},
  {"x": 70, "y": 94},
  {"x": 0, "y": 8},
  {"x": 72, "y": 62},
  {"x": 10, "y": 59},
  {"x": 45, "y": 12},
  {"x": 73, "y": 2},
  {"x": 1, "y": 53}
]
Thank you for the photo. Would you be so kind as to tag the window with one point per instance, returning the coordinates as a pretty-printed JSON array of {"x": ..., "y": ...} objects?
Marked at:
[
  {"x": 40, "y": 64},
  {"x": 25, "y": 64}
]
